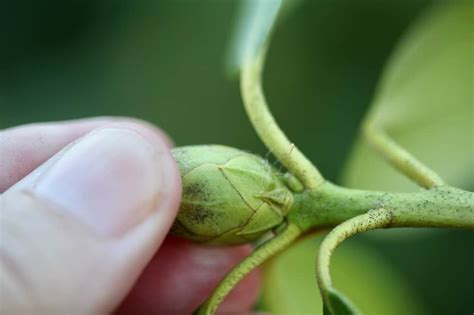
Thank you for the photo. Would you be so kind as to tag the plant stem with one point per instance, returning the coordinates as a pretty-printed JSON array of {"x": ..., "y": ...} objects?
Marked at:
[
  {"x": 373, "y": 219},
  {"x": 267, "y": 128},
  {"x": 400, "y": 158},
  {"x": 330, "y": 205},
  {"x": 288, "y": 235}
]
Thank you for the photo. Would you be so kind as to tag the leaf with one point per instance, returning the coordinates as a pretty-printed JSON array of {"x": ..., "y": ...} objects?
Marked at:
[
  {"x": 425, "y": 102},
  {"x": 338, "y": 304},
  {"x": 254, "y": 24}
]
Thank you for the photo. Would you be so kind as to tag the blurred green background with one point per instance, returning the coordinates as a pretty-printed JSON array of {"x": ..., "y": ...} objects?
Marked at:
[{"x": 163, "y": 61}]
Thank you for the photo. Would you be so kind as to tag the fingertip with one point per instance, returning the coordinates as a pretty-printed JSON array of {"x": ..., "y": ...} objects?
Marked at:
[
  {"x": 146, "y": 129},
  {"x": 111, "y": 179},
  {"x": 26, "y": 147}
]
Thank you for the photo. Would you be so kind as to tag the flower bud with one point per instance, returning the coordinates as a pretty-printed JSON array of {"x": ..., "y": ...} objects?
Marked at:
[{"x": 229, "y": 196}]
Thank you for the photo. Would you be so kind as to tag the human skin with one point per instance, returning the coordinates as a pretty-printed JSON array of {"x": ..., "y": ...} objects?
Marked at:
[{"x": 88, "y": 256}]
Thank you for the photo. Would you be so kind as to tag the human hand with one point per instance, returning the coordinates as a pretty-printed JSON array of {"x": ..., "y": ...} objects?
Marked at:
[{"x": 84, "y": 207}]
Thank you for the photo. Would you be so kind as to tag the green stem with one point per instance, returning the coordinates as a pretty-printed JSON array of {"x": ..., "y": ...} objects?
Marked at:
[
  {"x": 333, "y": 300},
  {"x": 355, "y": 211},
  {"x": 262, "y": 253},
  {"x": 371, "y": 220},
  {"x": 400, "y": 158},
  {"x": 267, "y": 128},
  {"x": 330, "y": 205}
]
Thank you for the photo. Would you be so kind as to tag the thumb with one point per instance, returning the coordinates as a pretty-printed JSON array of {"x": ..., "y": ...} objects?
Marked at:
[{"x": 76, "y": 233}]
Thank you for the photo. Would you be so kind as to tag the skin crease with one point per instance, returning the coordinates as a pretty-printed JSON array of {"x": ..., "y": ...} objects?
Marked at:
[{"x": 187, "y": 272}]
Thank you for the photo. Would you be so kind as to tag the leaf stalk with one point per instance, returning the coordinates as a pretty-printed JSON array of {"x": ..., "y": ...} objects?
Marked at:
[{"x": 267, "y": 128}]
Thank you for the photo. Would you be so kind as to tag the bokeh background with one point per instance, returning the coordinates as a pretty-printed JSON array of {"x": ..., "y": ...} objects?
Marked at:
[{"x": 163, "y": 61}]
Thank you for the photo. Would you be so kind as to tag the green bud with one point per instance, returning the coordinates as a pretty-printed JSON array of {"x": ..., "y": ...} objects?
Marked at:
[{"x": 229, "y": 196}]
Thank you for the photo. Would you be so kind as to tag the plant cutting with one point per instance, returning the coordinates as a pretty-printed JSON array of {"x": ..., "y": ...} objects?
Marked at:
[{"x": 234, "y": 197}]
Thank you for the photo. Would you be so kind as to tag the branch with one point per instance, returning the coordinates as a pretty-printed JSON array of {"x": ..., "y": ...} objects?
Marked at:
[
  {"x": 335, "y": 303},
  {"x": 261, "y": 254},
  {"x": 400, "y": 158},
  {"x": 267, "y": 128}
]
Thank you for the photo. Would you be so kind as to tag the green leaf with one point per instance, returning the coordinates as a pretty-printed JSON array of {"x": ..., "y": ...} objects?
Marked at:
[
  {"x": 254, "y": 24},
  {"x": 425, "y": 102},
  {"x": 369, "y": 280},
  {"x": 338, "y": 304}
]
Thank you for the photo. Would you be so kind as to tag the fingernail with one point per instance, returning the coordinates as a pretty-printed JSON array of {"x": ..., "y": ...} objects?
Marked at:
[{"x": 110, "y": 180}]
